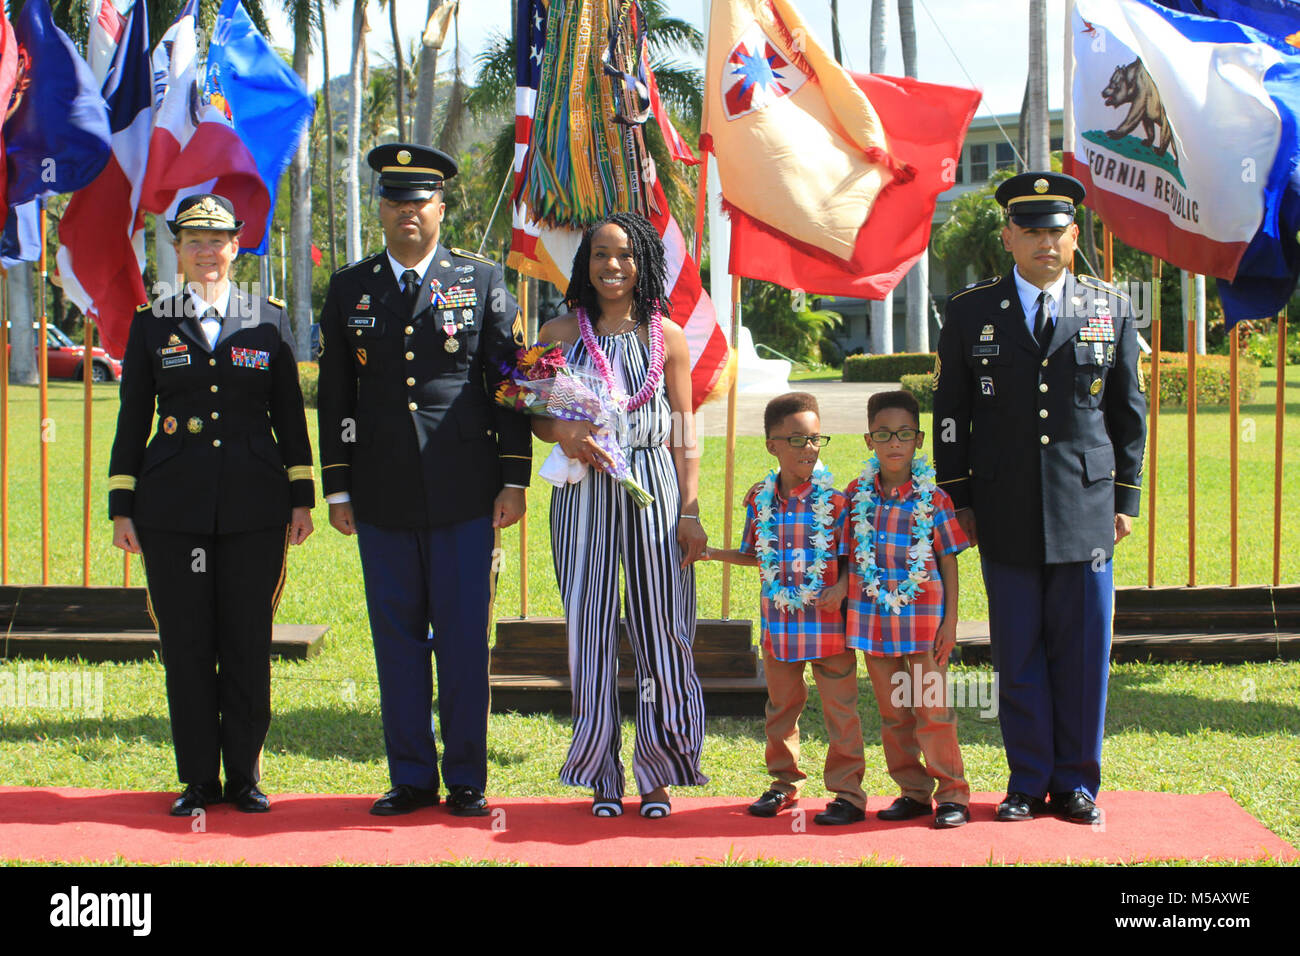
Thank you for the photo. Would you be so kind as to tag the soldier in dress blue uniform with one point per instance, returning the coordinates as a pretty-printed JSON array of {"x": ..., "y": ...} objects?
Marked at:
[
  {"x": 1041, "y": 419},
  {"x": 422, "y": 465},
  {"x": 214, "y": 499}
]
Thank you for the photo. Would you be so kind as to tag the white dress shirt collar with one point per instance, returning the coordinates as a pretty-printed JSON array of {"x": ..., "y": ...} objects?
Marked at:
[
  {"x": 1028, "y": 293},
  {"x": 420, "y": 267}
]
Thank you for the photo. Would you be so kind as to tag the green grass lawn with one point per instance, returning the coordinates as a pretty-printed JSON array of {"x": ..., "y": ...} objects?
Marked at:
[{"x": 1169, "y": 727}]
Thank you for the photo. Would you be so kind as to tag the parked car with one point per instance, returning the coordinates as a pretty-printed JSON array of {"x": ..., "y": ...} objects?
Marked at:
[{"x": 64, "y": 358}]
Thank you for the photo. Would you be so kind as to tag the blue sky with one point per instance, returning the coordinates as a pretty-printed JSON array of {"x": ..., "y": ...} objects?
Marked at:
[{"x": 989, "y": 38}]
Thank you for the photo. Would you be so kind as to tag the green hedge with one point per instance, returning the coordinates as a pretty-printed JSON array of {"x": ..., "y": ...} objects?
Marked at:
[
  {"x": 886, "y": 368},
  {"x": 1212, "y": 379},
  {"x": 308, "y": 378},
  {"x": 922, "y": 388}
]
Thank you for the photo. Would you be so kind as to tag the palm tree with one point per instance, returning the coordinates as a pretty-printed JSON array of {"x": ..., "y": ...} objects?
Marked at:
[
  {"x": 397, "y": 65},
  {"x": 918, "y": 277},
  {"x": 454, "y": 118},
  {"x": 301, "y": 15},
  {"x": 329, "y": 132},
  {"x": 425, "y": 91},
  {"x": 356, "y": 76},
  {"x": 882, "y": 312},
  {"x": 835, "y": 31},
  {"x": 1039, "y": 133}
]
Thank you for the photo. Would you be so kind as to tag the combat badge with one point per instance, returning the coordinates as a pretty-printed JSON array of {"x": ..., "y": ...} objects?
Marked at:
[
  {"x": 986, "y": 334},
  {"x": 173, "y": 339},
  {"x": 364, "y": 303}
]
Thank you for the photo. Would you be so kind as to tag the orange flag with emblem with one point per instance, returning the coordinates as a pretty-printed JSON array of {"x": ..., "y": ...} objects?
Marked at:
[{"x": 798, "y": 144}]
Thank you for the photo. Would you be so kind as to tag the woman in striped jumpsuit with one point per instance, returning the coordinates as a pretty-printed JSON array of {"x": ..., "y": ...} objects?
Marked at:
[{"x": 619, "y": 332}]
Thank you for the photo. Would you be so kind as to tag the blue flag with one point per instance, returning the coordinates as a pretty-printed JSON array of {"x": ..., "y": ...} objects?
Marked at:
[
  {"x": 268, "y": 103},
  {"x": 57, "y": 139},
  {"x": 1267, "y": 274}
]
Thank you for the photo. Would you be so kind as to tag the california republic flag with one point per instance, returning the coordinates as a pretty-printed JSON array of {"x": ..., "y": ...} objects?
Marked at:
[{"x": 799, "y": 146}]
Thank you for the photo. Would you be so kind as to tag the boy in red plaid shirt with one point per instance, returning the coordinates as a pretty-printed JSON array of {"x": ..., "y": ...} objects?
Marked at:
[
  {"x": 902, "y": 610},
  {"x": 794, "y": 532}
]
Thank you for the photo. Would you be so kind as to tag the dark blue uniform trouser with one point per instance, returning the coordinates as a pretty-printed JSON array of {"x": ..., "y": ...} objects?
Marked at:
[
  {"x": 1050, "y": 627},
  {"x": 440, "y": 578}
]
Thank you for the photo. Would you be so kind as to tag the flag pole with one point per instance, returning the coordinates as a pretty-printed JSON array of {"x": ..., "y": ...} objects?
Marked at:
[
  {"x": 1234, "y": 403},
  {"x": 730, "y": 483},
  {"x": 523, "y": 520},
  {"x": 1107, "y": 254},
  {"x": 701, "y": 194},
  {"x": 1280, "y": 422},
  {"x": 4, "y": 428},
  {"x": 45, "y": 423},
  {"x": 87, "y": 378},
  {"x": 1153, "y": 393},
  {"x": 1189, "y": 344}
]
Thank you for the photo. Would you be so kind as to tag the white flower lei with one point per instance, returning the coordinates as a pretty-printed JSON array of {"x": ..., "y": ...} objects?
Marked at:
[
  {"x": 864, "y": 555},
  {"x": 790, "y": 599}
]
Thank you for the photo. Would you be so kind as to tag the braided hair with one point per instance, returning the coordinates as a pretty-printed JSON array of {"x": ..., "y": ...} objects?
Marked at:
[{"x": 648, "y": 295}]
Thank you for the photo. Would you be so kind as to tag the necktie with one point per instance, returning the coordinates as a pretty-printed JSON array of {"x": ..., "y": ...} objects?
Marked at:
[
  {"x": 1043, "y": 324},
  {"x": 410, "y": 289},
  {"x": 213, "y": 332}
]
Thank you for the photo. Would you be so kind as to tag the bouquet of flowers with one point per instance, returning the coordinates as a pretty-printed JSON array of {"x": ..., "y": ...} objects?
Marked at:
[{"x": 542, "y": 383}]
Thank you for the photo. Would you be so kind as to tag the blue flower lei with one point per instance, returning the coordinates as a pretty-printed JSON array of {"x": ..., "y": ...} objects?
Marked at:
[
  {"x": 863, "y": 516},
  {"x": 790, "y": 599}
]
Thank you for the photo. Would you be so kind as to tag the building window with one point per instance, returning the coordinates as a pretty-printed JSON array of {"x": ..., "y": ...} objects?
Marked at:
[
  {"x": 960, "y": 171},
  {"x": 979, "y": 162},
  {"x": 1056, "y": 144},
  {"x": 1005, "y": 155}
]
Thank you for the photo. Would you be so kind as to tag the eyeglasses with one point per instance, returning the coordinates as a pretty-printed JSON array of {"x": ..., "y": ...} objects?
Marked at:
[
  {"x": 883, "y": 436},
  {"x": 802, "y": 441}
]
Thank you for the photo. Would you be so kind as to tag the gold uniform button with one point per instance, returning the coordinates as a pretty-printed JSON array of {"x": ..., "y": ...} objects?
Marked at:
[
  {"x": 358, "y": 333},
  {"x": 1044, "y": 363},
  {"x": 1112, "y": 472},
  {"x": 1042, "y": 413},
  {"x": 410, "y": 381},
  {"x": 216, "y": 443},
  {"x": 215, "y": 416},
  {"x": 1042, "y": 387},
  {"x": 216, "y": 388},
  {"x": 1044, "y": 439},
  {"x": 984, "y": 361},
  {"x": 412, "y": 406},
  {"x": 410, "y": 356},
  {"x": 212, "y": 361},
  {"x": 410, "y": 329}
]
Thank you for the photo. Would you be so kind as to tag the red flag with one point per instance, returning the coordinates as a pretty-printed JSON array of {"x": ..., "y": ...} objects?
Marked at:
[
  {"x": 677, "y": 146},
  {"x": 9, "y": 57},
  {"x": 926, "y": 124},
  {"x": 315, "y": 254}
]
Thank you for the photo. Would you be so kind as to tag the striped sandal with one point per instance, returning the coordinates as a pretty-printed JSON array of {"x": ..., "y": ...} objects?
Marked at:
[
  {"x": 655, "y": 809},
  {"x": 606, "y": 806}
]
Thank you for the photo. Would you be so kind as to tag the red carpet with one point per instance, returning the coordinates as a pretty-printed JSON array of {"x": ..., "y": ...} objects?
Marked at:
[{"x": 83, "y": 825}]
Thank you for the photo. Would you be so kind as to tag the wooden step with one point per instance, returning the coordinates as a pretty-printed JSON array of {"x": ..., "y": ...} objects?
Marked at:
[
  {"x": 544, "y": 694},
  {"x": 288, "y": 642},
  {"x": 1221, "y": 647}
]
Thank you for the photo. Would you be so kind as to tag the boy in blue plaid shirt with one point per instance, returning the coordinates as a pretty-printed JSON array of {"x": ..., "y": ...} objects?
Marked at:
[
  {"x": 794, "y": 532},
  {"x": 902, "y": 610}
]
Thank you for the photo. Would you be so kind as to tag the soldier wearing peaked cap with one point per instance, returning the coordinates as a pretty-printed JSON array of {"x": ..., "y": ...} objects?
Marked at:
[
  {"x": 213, "y": 499},
  {"x": 1042, "y": 424},
  {"x": 421, "y": 464}
]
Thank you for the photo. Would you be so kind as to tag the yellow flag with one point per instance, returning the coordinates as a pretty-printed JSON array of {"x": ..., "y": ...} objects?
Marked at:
[{"x": 798, "y": 144}]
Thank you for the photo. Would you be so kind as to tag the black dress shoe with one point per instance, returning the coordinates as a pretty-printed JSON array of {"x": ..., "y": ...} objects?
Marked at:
[
  {"x": 403, "y": 798},
  {"x": 950, "y": 815},
  {"x": 838, "y": 813},
  {"x": 467, "y": 802},
  {"x": 904, "y": 808},
  {"x": 771, "y": 803},
  {"x": 1020, "y": 806},
  {"x": 196, "y": 796},
  {"x": 249, "y": 799},
  {"x": 1077, "y": 807}
]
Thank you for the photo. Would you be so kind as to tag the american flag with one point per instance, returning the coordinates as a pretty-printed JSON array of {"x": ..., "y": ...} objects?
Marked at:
[{"x": 548, "y": 253}]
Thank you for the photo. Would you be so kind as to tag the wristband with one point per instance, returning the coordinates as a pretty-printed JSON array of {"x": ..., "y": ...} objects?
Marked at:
[{"x": 691, "y": 517}]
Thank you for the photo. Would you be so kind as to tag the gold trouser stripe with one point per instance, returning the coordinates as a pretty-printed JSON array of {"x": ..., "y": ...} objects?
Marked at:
[
  {"x": 521, "y": 457},
  {"x": 343, "y": 465},
  {"x": 300, "y": 473},
  {"x": 121, "y": 482},
  {"x": 1125, "y": 485},
  {"x": 953, "y": 481},
  {"x": 279, "y": 587},
  {"x": 148, "y": 602}
]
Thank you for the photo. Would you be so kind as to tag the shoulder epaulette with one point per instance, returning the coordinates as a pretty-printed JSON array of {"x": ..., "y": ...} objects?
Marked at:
[
  {"x": 278, "y": 303},
  {"x": 981, "y": 284},
  {"x": 464, "y": 254},
  {"x": 1092, "y": 282}
]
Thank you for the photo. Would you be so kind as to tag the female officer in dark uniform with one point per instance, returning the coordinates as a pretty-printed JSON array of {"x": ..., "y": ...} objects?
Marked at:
[{"x": 213, "y": 500}]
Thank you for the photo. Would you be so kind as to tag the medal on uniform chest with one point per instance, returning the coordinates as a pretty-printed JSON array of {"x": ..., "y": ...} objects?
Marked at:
[
  {"x": 986, "y": 334},
  {"x": 449, "y": 327},
  {"x": 436, "y": 298}
]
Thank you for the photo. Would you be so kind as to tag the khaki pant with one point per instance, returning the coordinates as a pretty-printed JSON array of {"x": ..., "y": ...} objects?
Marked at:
[
  {"x": 837, "y": 682},
  {"x": 909, "y": 730}
]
